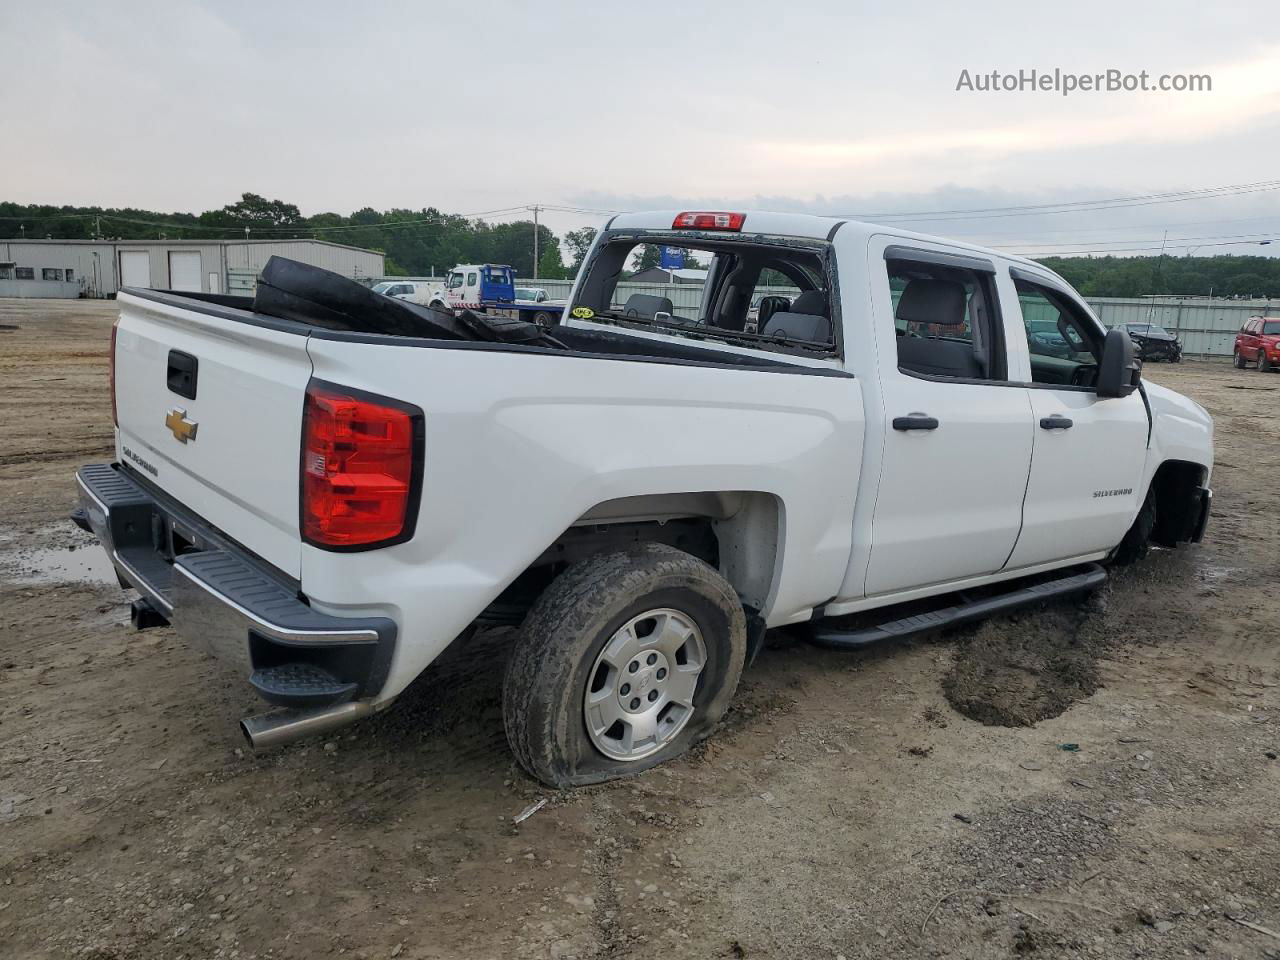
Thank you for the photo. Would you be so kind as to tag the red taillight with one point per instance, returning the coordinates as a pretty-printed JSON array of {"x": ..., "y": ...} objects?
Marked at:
[
  {"x": 111, "y": 364},
  {"x": 708, "y": 221},
  {"x": 361, "y": 460}
]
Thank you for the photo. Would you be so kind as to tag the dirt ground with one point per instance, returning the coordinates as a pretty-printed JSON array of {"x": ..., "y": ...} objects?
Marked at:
[{"x": 1095, "y": 779}]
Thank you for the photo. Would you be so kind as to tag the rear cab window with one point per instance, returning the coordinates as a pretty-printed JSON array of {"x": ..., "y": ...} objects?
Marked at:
[{"x": 768, "y": 292}]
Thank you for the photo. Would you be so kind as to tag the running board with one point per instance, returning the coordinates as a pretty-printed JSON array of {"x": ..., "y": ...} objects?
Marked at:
[{"x": 1091, "y": 576}]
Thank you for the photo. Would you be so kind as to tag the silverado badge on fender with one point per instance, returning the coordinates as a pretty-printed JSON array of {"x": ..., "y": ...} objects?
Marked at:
[{"x": 183, "y": 429}]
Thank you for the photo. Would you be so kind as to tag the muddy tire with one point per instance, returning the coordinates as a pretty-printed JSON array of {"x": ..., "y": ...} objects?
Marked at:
[
  {"x": 1137, "y": 541},
  {"x": 572, "y": 655}
]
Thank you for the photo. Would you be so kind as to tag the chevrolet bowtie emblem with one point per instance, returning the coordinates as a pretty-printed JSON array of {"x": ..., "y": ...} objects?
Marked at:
[{"x": 183, "y": 429}]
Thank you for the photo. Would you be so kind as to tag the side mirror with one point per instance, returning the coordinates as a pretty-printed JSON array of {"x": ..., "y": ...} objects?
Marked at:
[{"x": 1120, "y": 369}]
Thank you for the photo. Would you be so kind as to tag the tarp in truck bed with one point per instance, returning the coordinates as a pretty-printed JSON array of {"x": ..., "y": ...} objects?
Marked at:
[{"x": 317, "y": 297}]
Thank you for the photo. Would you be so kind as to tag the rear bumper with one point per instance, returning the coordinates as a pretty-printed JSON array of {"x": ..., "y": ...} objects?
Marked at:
[{"x": 226, "y": 601}]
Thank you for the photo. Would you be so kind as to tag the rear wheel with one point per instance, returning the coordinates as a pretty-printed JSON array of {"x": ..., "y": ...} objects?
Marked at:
[
  {"x": 542, "y": 319},
  {"x": 626, "y": 660},
  {"x": 1263, "y": 363},
  {"x": 1238, "y": 359}
]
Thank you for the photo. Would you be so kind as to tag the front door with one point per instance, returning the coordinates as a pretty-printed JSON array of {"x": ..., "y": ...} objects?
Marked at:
[
  {"x": 1086, "y": 471},
  {"x": 958, "y": 437}
]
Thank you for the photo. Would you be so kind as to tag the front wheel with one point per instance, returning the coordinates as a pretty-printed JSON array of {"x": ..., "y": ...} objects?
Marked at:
[
  {"x": 1238, "y": 359},
  {"x": 1263, "y": 363},
  {"x": 624, "y": 662},
  {"x": 1137, "y": 541}
]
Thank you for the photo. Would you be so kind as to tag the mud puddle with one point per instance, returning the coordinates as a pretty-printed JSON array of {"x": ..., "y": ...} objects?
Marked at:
[{"x": 70, "y": 558}]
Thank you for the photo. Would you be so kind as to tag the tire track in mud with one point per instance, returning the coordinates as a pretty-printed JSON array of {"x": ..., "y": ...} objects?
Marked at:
[{"x": 606, "y": 862}]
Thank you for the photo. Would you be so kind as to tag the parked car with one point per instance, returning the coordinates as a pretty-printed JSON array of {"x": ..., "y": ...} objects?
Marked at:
[
  {"x": 1155, "y": 342},
  {"x": 1258, "y": 342},
  {"x": 1044, "y": 338},
  {"x": 316, "y": 483},
  {"x": 416, "y": 291}
]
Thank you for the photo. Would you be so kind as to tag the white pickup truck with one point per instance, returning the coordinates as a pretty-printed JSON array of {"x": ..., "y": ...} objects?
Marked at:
[{"x": 328, "y": 490}]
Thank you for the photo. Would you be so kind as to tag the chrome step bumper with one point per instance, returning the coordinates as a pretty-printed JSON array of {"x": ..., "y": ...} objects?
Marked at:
[{"x": 223, "y": 600}]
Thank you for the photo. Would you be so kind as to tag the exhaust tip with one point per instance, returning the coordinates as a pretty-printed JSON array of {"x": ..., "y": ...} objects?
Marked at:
[{"x": 266, "y": 730}]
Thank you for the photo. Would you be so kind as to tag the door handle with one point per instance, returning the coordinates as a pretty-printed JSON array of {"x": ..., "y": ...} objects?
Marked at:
[
  {"x": 915, "y": 421},
  {"x": 1056, "y": 422}
]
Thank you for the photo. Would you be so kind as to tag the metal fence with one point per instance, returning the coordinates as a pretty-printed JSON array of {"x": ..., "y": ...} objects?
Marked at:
[{"x": 1207, "y": 328}]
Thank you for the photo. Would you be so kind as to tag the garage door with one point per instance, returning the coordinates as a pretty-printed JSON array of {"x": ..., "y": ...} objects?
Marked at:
[
  {"x": 135, "y": 268},
  {"x": 184, "y": 270}
]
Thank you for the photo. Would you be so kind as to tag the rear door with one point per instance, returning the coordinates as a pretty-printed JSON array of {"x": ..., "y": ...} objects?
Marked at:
[
  {"x": 1248, "y": 340},
  {"x": 957, "y": 445},
  {"x": 1085, "y": 486},
  {"x": 224, "y": 442}
]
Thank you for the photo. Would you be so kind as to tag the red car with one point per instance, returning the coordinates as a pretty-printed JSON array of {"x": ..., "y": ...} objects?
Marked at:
[{"x": 1259, "y": 342}]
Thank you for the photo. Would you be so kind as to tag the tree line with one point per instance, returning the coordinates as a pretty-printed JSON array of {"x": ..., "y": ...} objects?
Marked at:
[
  {"x": 1225, "y": 275},
  {"x": 426, "y": 241},
  {"x": 415, "y": 242}
]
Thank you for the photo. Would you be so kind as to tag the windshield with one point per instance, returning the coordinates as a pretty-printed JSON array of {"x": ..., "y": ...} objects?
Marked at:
[
  {"x": 1271, "y": 327},
  {"x": 1146, "y": 328},
  {"x": 382, "y": 287}
]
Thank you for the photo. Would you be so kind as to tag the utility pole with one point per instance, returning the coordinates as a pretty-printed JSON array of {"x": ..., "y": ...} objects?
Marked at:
[{"x": 535, "y": 208}]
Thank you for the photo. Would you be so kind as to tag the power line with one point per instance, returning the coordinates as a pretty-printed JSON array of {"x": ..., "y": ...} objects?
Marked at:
[
  {"x": 1156, "y": 246},
  {"x": 1240, "y": 237},
  {"x": 983, "y": 213}
]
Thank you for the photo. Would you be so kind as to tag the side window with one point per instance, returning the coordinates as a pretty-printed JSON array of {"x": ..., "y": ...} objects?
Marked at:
[
  {"x": 471, "y": 279},
  {"x": 946, "y": 320},
  {"x": 1063, "y": 342}
]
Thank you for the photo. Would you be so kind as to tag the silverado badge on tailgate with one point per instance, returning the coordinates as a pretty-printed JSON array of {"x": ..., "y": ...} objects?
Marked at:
[{"x": 183, "y": 429}]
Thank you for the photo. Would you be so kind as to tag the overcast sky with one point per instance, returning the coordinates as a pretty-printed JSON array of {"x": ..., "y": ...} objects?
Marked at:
[{"x": 830, "y": 107}]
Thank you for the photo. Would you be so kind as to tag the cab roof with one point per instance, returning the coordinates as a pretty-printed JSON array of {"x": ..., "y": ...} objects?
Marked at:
[{"x": 807, "y": 226}]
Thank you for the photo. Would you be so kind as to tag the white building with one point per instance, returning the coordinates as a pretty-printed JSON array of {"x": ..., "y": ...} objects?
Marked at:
[{"x": 99, "y": 268}]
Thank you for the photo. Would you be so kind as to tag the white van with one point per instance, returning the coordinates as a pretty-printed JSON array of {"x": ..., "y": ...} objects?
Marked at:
[{"x": 419, "y": 291}]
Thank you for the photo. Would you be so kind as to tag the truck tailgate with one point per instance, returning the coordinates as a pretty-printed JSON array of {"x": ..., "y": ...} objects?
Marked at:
[{"x": 238, "y": 465}]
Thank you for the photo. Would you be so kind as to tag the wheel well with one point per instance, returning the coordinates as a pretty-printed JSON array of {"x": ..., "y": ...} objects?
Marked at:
[
  {"x": 737, "y": 532},
  {"x": 1174, "y": 488}
]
